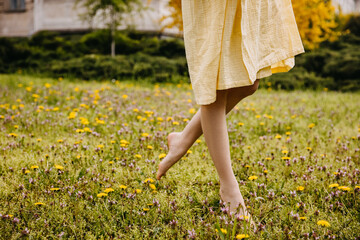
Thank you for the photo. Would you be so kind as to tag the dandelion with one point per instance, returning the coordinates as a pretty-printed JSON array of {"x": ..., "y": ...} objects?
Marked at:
[
  {"x": 198, "y": 141},
  {"x": 175, "y": 123},
  {"x": 278, "y": 136},
  {"x": 54, "y": 189},
  {"x": 124, "y": 96},
  {"x": 253, "y": 178},
  {"x": 122, "y": 186},
  {"x": 241, "y": 124},
  {"x": 146, "y": 209},
  {"x": 101, "y": 195},
  {"x": 123, "y": 141},
  {"x": 192, "y": 110},
  {"x": 285, "y": 158},
  {"x": 27, "y": 171},
  {"x": 39, "y": 203},
  {"x": 145, "y": 134},
  {"x": 344, "y": 188},
  {"x": 224, "y": 231},
  {"x": 137, "y": 190},
  {"x": 149, "y": 180},
  {"x": 300, "y": 188},
  {"x": 58, "y": 167},
  {"x": 100, "y": 146},
  {"x": 311, "y": 125},
  {"x": 108, "y": 190},
  {"x": 162, "y": 155},
  {"x": 189, "y": 151},
  {"x": 303, "y": 218},
  {"x": 152, "y": 186},
  {"x": 12, "y": 134},
  {"x": 137, "y": 155},
  {"x": 323, "y": 223},
  {"x": 34, "y": 167},
  {"x": 333, "y": 185},
  {"x": 242, "y": 236},
  {"x": 149, "y": 147},
  {"x": 60, "y": 141},
  {"x": 72, "y": 115}
]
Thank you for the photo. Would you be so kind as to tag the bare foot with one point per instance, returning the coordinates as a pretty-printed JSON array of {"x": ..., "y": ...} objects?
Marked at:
[
  {"x": 232, "y": 197},
  {"x": 173, "y": 156}
]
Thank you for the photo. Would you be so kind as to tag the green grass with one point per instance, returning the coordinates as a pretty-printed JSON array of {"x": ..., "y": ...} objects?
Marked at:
[{"x": 187, "y": 198}]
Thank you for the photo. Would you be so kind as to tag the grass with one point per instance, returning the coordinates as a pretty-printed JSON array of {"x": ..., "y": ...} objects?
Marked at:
[{"x": 63, "y": 143}]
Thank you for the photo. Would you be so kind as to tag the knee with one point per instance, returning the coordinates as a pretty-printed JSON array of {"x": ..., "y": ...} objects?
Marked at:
[{"x": 252, "y": 89}]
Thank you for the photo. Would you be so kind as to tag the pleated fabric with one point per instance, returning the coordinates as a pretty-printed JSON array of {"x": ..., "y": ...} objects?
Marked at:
[{"x": 231, "y": 43}]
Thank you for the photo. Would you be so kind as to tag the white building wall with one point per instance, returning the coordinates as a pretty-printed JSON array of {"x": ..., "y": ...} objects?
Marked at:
[{"x": 348, "y": 6}]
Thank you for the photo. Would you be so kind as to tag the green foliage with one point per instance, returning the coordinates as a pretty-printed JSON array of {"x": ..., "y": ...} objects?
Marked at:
[{"x": 135, "y": 66}]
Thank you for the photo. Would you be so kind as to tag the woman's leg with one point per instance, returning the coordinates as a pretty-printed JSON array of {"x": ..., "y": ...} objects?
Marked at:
[
  {"x": 180, "y": 142},
  {"x": 213, "y": 123}
]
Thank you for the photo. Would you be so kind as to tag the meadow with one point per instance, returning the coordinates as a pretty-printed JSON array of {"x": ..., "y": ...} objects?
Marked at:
[{"x": 78, "y": 160}]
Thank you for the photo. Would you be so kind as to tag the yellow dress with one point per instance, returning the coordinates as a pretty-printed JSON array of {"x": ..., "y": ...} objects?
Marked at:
[{"x": 231, "y": 43}]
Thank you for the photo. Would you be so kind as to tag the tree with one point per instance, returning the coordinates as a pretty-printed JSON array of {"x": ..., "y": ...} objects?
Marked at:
[
  {"x": 316, "y": 20},
  {"x": 175, "y": 16},
  {"x": 111, "y": 12}
]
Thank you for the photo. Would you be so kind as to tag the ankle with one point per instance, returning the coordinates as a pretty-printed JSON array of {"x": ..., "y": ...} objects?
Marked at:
[{"x": 229, "y": 183}]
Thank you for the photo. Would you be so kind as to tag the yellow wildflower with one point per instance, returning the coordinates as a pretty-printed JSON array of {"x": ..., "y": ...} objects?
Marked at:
[
  {"x": 300, "y": 188},
  {"x": 162, "y": 155},
  {"x": 253, "y": 178},
  {"x": 39, "y": 203},
  {"x": 149, "y": 180},
  {"x": 344, "y": 188},
  {"x": 323, "y": 223},
  {"x": 101, "y": 195},
  {"x": 58, "y": 167},
  {"x": 242, "y": 236},
  {"x": 108, "y": 190},
  {"x": 224, "y": 231}
]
